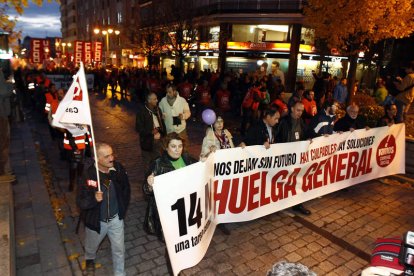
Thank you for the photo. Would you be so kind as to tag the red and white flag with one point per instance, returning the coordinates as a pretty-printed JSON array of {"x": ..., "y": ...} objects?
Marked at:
[{"x": 74, "y": 111}]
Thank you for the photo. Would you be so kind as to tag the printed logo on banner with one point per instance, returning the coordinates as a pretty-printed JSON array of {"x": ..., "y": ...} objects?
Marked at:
[
  {"x": 386, "y": 151},
  {"x": 77, "y": 94}
]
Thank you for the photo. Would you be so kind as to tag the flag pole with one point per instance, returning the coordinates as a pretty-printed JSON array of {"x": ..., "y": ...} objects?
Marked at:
[
  {"x": 92, "y": 133},
  {"x": 96, "y": 156}
]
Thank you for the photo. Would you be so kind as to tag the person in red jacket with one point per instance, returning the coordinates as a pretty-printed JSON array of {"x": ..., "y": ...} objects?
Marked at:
[
  {"x": 310, "y": 106},
  {"x": 280, "y": 104},
  {"x": 223, "y": 98},
  {"x": 50, "y": 96},
  {"x": 185, "y": 88}
]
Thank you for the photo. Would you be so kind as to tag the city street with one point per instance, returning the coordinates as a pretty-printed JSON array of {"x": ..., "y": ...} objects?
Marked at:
[{"x": 336, "y": 239}]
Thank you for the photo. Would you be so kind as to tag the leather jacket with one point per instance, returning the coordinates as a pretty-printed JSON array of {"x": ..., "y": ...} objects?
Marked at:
[
  {"x": 161, "y": 165},
  {"x": 86, "y": 195}
]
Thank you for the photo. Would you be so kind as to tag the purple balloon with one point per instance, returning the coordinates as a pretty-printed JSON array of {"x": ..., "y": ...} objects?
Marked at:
[{"x": 209, "y": 116}]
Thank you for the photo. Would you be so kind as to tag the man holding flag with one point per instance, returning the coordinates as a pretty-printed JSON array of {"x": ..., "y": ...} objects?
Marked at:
[{"x": 103, "y": 209}]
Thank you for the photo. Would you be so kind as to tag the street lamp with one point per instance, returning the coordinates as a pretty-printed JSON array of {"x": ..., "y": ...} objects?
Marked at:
[
  {"x": 106, "y": 33},
  {"x": 64, "y": 44}
]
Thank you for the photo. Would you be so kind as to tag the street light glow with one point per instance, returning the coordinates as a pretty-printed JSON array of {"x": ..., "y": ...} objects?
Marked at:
[
  {"x": 106, "y": 33},
  {"x": 69, "y": 44}
]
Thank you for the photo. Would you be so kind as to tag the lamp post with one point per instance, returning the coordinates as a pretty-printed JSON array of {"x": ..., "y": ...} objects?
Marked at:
[
  {"x": 63, "y": 44},
  {"x": 106, "y": 33}
]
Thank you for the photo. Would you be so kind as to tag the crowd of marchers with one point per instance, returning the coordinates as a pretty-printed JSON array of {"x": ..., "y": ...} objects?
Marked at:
[{"x": 166, "y": 101}]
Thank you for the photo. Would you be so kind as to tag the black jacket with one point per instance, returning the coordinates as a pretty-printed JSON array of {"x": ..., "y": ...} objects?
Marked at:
[
  {"x": 86, "y": 195},
  {"x": 346, "y": 123},
  {"x": 161, "y": 165},
  {"x": 144, "y": 125},
  {"x": 284, "y": 131},
  {"x": 257, "y": 134},
  {"x": 321, "y": 124}
]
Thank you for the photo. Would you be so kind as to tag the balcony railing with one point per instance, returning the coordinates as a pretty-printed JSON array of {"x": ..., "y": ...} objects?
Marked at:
[
  {"x": 211, "y": 7},
  {"x": 248, "y": 6}
]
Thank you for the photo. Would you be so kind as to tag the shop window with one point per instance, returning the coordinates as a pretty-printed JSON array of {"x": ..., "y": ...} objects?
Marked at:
[{"x": 308, "y": 36}]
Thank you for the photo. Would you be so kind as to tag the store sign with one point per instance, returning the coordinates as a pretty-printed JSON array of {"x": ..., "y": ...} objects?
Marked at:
[
  {"x": 266, "y": 46},
  {"x": 126, "y": 52}
]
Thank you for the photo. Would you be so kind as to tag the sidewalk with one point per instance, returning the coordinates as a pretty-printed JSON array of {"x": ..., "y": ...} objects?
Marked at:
[
  {"x": 39, "y": 250},
  {"x": 335, "y": 240}
]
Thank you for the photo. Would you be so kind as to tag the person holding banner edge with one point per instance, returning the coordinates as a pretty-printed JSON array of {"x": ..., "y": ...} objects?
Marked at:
[
  {"x": 105, "y": 209},
  {"x": 172, "y": 158},
  {"x": 216, "y": 138}
]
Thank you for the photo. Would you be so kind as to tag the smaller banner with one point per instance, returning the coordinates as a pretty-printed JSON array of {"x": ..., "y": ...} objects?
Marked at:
[
  {"x": 97, "y": 51},
  {"x": 41, "y": 50},
  {"x": 36, "y": 50},
  {"x": 87, "y": 52},
  {"x": 78, "y": 51},
  {"x": 64, "y": 81},
  {"x": 74, "y": 108}
]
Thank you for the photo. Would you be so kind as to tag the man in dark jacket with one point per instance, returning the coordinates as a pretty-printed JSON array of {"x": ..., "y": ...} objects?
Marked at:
[
  {"x": 292, "y": 129},
  {"x": 323, "y": 122},
  {"x": 351, "y": 120},
  {"x": 263, "y": 132},
  {"x": 151, "y": 128},
  {"x": 104, "y": 210}
]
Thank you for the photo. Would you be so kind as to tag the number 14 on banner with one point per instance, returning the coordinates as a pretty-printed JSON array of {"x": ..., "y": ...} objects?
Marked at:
[{"x": 193, "y": 215}]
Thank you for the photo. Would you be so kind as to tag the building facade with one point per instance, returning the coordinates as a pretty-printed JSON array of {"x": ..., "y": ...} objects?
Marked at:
[
  {"x": 242, "y": 35},
  {"x": 68, "y": 18},
  {"x": 110, "y": 21}
]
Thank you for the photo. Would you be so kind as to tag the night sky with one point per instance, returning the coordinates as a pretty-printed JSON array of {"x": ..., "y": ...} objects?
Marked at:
[{"x": 39, "y": 22}]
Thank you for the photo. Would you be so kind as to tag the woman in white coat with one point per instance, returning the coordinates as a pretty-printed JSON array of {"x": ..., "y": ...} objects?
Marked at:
[{"x": 216, "y": 138}]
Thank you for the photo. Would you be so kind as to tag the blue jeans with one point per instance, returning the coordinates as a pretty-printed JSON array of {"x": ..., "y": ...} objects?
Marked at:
[{"x": 115, "y": 231}]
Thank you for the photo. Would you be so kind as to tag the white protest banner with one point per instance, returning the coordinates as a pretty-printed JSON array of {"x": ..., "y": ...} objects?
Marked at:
[
  {"x": 253, "y": 182},
  {"x": 186, "y": 210}
]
